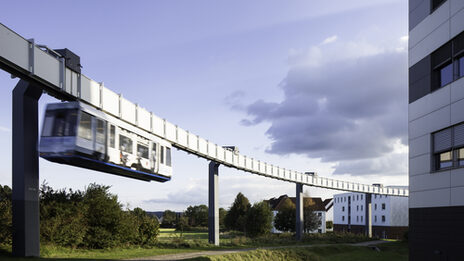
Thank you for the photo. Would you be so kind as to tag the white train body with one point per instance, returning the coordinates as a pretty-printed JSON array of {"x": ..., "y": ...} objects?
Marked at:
[{"x": 77, "y": 134}]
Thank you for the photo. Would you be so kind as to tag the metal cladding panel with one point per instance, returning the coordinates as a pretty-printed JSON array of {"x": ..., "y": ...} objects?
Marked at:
[
  {"x": 241, "y": 161},
  {"x": 220, "y": 153},
  {"x": 182, "y": 137},
  {"x": 110, "y": 101},
  {"x": 228, "y": 156},
  {"x": 143, "y": 119},
  {"x": 255, "y": 165},
  {"x": 158, "y": 125},
  {"x": 202, "y": 146},
  {"x": 212, "y": 149},
  {"x": 74, "y": 79},
  {"x": 262, "y": 167},
  {"x": 192, "y": 141},
  {"x": 68, "y": 81},
  {"x": 128, "y": 110},
  {"x": 248, "y": 163},
  {"x": 275, "y": 171},
  {"x": 170, "y": 131},
  {"x": 46, "y": 67},
  {"x": 14, "y": 48},
  {"x": 235, "y": 159}
]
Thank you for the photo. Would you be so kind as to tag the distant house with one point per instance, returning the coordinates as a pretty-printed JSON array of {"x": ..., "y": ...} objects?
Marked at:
[
  {"x": 317, "y": 205},
  {"x": 389, "y": 215}
]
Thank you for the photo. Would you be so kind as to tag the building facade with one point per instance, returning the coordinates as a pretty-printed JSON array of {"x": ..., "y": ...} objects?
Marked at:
[
  {"x": 389, "y": 215},
  {"x": 436, "y": 129}
]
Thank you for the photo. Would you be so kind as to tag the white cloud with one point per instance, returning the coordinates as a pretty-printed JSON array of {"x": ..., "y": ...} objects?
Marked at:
[{"x": 330, "y": 39}]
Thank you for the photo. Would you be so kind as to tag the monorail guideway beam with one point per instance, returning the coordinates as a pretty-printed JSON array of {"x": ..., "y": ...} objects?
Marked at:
[
  {"x": 213, "y": 206},
  {"x": 25, "y": 169}
]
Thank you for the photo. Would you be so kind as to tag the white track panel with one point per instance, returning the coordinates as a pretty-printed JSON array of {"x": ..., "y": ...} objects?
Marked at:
[{"x": 24, "y": 59}]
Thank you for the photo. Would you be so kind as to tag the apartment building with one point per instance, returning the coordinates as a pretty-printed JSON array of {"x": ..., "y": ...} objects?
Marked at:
[{"x": 436, "y": 129}]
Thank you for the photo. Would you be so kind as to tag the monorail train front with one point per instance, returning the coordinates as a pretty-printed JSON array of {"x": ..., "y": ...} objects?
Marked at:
[{"x": 77, "y": 134}]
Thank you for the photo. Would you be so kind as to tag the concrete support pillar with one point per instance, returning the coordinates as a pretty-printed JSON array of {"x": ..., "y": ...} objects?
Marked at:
[
  {"x": 299, "y": 212},
  {"x": 25, "y": 170},
  {"x": 368, "y": 214},
  {"x": 213, "y": 205}
]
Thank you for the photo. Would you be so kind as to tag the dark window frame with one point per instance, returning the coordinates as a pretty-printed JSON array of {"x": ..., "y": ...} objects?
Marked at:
[{"x": 453, "y": 150}]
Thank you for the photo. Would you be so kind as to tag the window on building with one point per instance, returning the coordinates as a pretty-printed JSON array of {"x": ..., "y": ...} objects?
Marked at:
[
  {"x": 361, "y": 197},
  {"x": 383, "y": 218},
  {"x": 357, "y": 197},
  {"x": 375, "y": 218},
  {"x": 446, "y": 74},
  {"x": 383, "y": 206},
  {"x": 375, "y": 206},
  {"x": 343, "y": 208},
  {"x": 319, "y": 214},
  {"x": 361, "y": 218},
  {"x": 162, "y": 155},
  {"x": 343, "y": 218},
  {"x": 357, "y": 218},
  {"x": 435, "y": 4},
  {"x": 361, "y": 207},
  {"x": 461, "y": 67},
  {"x": 375, "y": 196},
  {"x": 357, "y": 208},
  {"x": 448, "y": 147}
]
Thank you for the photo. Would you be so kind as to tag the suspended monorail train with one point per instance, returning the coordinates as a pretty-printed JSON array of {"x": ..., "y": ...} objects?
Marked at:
[{"x": 77, "y": 134}]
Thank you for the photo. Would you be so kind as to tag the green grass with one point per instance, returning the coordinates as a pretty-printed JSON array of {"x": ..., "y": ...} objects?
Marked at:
[
  {"x": 397, "y": 251},
  {"x": 171, "y": 241}
]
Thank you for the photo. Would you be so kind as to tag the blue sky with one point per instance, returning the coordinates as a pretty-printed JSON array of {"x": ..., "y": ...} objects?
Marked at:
[{"x": 307, "y": 85}]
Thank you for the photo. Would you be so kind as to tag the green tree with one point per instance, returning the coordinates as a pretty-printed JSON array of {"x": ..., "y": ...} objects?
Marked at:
[
  {"x": 236, "y": 216},
  {"x": 222, "y": 217},
  {"x": 104, "y": 216},
  {"x": 62, "y": 216},
  {"x": 6, "y": 226},
  {"x": 286, "y": 216},
  {"x": 197, "y": 216},
  {"x": 311, "y": 221},
  {"x": 148, "y": 227},
  {"x": 169, "y": 219},
  {"x": 259, "y": 219}
]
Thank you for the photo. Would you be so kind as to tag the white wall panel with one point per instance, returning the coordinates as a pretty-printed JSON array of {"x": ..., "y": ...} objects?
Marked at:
[
  {"x": 46, "y": 67},
  {"x": 128, "y": 110},
  {"x": 241, "y": 161},
  {"x": 158, "y": 125},
  {"x": 249, "y": 163},
  {"x": 212, "y": 149},
  {"x": 457, "y": 89},
  {"x": 457, "y": 196},
  {"x": 170, "y": 131},
  {"x": 419, "y": 146},
  {"x": 182, "y": 136},
  {"x": 111, "y": 102},
  {"x": 428, "y": 25},
  {"x": 457, "y": 112},
  {"x": 430, "y": 198},
  {"x": 193, "y": 141},
  {"x": 430, "y": 43},
  {"x": 14, "y": 48},
  {"x": 143, "y": 119},
  {"x": 228, "y": 156},
  {"x": 203, "y": 146},
  {"x": 457, "y": 26},
  {"x": 430, "y": 123},
  {"x": 220, "y": 153}
]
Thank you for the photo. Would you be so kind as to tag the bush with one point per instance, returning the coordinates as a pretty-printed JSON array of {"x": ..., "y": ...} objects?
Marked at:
[{"x": 6, "y": 226}]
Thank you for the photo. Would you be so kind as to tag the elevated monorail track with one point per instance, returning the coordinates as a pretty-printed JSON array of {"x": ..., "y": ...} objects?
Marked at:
[{"x": 23, "y": 58}]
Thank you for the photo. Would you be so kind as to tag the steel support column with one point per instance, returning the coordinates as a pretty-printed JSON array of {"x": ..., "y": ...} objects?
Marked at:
[
  {"x": 25, "y": 170},
  {"x": 368, "y": 214},
  {"x": 213, "y": 205},
  {"x": 299, "y": 211}
]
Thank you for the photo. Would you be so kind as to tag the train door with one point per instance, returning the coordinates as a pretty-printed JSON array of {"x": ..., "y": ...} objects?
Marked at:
[
  {"x": 100, "y": 138},
  {"x": 85, "y": 134},
  {"x": 112, "y": 151},
  {"x": 154, "y": 157}
]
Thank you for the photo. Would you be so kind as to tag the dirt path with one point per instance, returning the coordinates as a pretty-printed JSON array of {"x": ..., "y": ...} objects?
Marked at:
[{"x": 183, "y": 256}]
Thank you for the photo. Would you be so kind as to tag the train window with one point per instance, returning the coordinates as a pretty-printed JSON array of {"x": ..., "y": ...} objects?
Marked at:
[
  {"x": 112, "y": 135},
  {"x": 100, "y": 137},
  {"x": 168, "y": 156},
  {"x": 142, "y": 151},
  {"x": 85, "y": 126},
  {"x": 59, "y": 123},
  {"x": 125, "y": 144},
  {"x": 162, "y": 155}
]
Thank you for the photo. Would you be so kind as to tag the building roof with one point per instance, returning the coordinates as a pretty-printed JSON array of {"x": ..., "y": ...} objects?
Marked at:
[{"x": 315, "y": 203}]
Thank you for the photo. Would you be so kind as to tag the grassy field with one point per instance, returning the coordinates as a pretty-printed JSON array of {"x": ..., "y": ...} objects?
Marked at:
[
  {"x": 171, "y": 242},
  {"x": 397, "y": 251}
]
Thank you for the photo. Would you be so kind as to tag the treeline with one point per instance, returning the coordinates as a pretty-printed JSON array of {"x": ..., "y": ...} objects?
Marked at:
[
  {"x": 92, "y": 218},
  {"x": 253, "y": 220}
]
